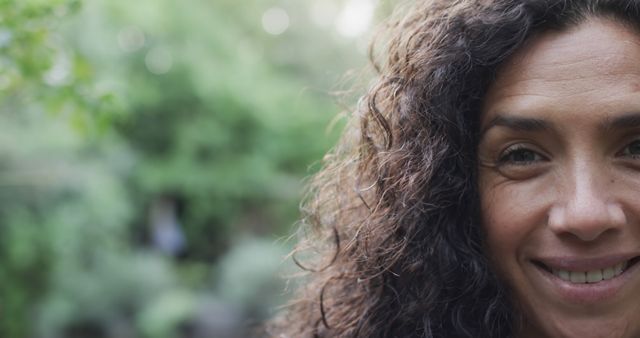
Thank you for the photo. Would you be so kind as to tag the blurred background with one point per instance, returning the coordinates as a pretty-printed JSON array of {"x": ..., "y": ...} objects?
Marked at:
[{"x": 153, "y": 155}]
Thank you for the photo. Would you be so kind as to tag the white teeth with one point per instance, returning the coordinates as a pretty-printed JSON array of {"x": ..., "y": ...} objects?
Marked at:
[
  {"x": 608, "y": 273},
  {"x": 592, "y": 276},
  {"x": 578, "y": 277},
  {"x": 564, "y": 274}
]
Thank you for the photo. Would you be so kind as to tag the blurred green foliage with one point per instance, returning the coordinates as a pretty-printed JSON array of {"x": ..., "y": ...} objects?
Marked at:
[{"x": 153, "y": 152}]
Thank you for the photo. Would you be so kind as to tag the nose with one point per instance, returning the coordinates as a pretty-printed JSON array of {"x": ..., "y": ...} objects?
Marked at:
[{"x": 587, "y": 208}]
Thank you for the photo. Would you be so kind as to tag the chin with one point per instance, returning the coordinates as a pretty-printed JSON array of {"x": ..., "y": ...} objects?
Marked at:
[{"x": 588, "y": 327}]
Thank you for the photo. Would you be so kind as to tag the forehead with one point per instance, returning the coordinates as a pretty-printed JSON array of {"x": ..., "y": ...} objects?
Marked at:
[{"x": 571, "y": 65}]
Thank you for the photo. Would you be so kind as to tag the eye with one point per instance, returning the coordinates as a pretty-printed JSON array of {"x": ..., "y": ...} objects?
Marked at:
[
  {"x": 521, "y": 155},
  {"x": 632, "y": 149}
]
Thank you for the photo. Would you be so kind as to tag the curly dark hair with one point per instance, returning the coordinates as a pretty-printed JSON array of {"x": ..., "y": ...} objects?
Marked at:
[{"x": 393, "y": 218}]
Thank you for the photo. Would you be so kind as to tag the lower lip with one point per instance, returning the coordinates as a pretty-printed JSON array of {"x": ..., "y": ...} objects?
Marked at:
[{"x": 589, "y": 293}]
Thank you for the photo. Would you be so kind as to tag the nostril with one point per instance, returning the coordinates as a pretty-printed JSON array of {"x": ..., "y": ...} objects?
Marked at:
[{"x": 586, "y": 222}]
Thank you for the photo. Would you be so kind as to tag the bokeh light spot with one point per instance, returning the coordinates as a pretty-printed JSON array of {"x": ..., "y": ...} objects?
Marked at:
[
  {"x": 275, "y": 21},
  {"x": 131, "y": 38},
  {"x": 355, "y": 17},
  {"x": 158, "y": 60}
]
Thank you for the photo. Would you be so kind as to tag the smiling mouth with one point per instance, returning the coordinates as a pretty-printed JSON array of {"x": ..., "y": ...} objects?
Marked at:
[{"x": 591, "y": 276}]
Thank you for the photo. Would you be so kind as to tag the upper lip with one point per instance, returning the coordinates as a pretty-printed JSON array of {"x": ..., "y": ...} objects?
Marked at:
[{"x": 578, "y": 263}]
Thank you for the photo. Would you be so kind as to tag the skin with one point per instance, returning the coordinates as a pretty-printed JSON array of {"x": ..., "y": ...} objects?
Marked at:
[{"x": 566, "y": 184}]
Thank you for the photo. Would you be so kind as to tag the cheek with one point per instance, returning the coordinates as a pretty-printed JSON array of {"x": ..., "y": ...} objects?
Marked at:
[
  {"x": 501, "y": 228},
  {"x": 511, "y": 215}
]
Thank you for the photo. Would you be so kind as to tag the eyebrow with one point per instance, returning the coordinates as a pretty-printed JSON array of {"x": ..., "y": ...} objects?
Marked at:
[
  {"x": 520, "y": 123},
  {"x": 625, "y": 121}
]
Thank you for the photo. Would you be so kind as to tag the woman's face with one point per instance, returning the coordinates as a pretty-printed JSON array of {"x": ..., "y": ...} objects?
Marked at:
[{"x": 560, "y": 181}]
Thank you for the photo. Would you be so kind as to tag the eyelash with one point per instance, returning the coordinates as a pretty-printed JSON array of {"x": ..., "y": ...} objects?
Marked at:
[
  {"x": 506, "y": 158},
  {"x": 625, "y": 152}
]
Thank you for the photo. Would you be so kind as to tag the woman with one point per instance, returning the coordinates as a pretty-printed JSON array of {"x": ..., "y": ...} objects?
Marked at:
[{"x": 492, "y": 186}]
